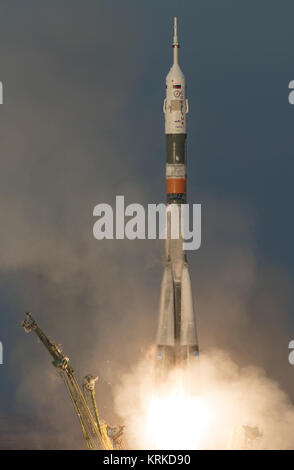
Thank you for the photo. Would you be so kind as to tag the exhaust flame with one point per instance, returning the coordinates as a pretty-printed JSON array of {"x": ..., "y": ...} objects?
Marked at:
[{"x": 177, "y": 421}]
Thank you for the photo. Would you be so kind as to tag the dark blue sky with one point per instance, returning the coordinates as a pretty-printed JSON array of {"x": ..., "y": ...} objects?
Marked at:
[{"x": 82, "y": 122}]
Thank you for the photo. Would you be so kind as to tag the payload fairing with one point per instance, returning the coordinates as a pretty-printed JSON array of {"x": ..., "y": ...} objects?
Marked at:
[{"x": 176, "y": 335}]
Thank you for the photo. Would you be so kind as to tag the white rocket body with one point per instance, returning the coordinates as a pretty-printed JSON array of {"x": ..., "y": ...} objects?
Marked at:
[
  {"x": 175, "y": 105},
  {"x": 176, "y": 335}
]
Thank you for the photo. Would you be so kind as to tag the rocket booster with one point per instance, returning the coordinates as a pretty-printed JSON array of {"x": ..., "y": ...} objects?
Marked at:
[{"x": 176, "y": 335}]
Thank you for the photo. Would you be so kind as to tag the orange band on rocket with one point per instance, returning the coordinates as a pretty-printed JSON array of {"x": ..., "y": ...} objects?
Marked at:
[{"x": 176, "y": 186}]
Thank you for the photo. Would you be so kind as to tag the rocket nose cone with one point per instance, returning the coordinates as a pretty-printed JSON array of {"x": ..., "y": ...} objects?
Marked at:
[{"x": 175, "y": 71}]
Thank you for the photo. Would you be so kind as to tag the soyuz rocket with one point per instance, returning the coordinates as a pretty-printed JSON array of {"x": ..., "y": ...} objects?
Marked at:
[{"x": 176, "y": 341}]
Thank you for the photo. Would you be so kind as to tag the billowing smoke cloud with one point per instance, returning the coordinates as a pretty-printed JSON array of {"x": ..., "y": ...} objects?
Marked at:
[
  {"x": 214, "y": 405},
  {"x": 242, "y": 308},
  {"x": 65, "y": 146}
]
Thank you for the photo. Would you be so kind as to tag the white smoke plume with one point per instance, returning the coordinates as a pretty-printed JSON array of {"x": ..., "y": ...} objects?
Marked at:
[{"x": 208, "y": 406}]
